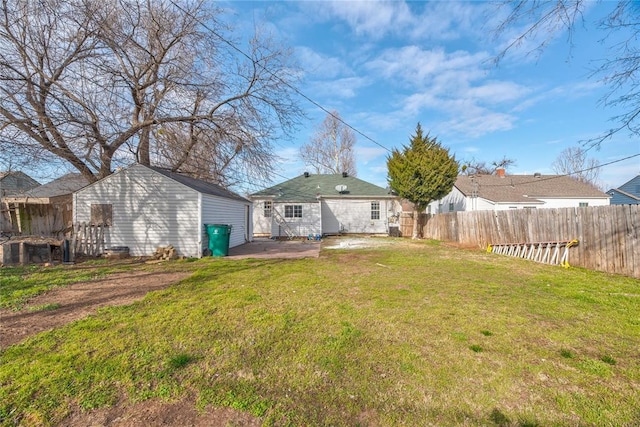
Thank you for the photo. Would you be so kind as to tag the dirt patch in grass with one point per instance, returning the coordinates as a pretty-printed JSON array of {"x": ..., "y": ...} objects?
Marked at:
[
  {"x": 156, "y": 413},
  {"x": 79, "y": 300}
]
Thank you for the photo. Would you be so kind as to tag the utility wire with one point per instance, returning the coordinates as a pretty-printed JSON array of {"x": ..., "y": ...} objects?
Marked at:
[
  {"x": 317, "y": 104},
  {"x": 566, "y": 174},
  {"x": 295, "y": 89}
]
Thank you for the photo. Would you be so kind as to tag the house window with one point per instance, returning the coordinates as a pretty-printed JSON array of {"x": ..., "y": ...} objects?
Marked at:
[
  {"x": 583, "y": 204},
  {"x": 375, "y": 210},
  {"x": 267, "y": 209},
  {"x": 293, "y": 211},
  {"x": 450, "y": 207},
  {"x": 101, "y": 214}
]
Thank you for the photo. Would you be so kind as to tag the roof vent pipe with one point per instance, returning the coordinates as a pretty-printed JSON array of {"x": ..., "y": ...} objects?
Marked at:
[
  {"x": 306, "y": 174},
  {"x": 537, "y": 175},
  {"x": 344, "y": 174}
]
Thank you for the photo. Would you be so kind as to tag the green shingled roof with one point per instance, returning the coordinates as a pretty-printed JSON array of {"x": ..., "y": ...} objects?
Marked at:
[{"x": 309, "y": 188}]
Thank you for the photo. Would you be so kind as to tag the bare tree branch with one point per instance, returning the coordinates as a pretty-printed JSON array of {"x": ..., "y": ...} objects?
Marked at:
[
  {"x": 541, "y": 21},
  {"x": 330, "y": 149},
  {"x": 573, "y": 161},
  {"x": 95, "y": 81}
]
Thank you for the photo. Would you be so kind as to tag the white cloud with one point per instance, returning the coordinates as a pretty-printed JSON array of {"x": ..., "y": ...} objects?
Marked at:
[
  {"x": 452, "y": 85},
  {"x": 416, "y": 66},
  {"x": 416, "y": 20},
  {"x": 288, "y": 156},
  {"x": 343, "y": 88},
  {"x": 368, "y": 18},
  {"x": 365, "y": 154},
  {"x": 478, "y": 123},
  {"x": 319, "y": 65},
  {"x": 498, "y": 92}
]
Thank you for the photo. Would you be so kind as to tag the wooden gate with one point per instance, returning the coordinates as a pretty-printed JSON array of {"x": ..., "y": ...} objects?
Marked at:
[{"x": 88, "y": 239}]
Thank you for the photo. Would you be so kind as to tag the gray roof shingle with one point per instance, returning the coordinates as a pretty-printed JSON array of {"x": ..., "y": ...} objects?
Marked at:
[
  {"x": 305, "y": 188},
  {"x": 66, "y": 184},
  {"x": 525, "y": 188},
  {"x": 199, "y": 185}
]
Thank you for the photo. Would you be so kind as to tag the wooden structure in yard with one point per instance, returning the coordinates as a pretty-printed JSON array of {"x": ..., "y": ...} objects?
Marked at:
[
  {"x": 43, "y": 211},
  {"x": 609, "y": 236},
  {"x": 88, "y": 239}
]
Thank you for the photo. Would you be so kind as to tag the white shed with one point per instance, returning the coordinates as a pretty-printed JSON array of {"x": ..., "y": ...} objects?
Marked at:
[{"x": 147, "y": 207}]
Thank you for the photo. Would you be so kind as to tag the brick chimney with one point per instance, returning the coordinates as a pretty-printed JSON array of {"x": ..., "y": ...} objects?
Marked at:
[{"x": 500, "y": 172}]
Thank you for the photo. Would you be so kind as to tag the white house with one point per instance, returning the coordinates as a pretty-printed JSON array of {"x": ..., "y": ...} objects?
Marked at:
[
  {"x": 147, "y": 207},
  {"x": 323, "y": 204},
  {"x": 501, "y": 192}
]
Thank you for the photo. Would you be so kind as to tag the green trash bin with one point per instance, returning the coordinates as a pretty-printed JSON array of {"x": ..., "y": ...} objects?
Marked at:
[{"x": 218, "y": 238}]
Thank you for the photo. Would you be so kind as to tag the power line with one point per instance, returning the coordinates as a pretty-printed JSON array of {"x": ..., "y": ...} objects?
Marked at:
[
  {"x": 566, "y": 174},
  {"x": 295, "y": 89}
]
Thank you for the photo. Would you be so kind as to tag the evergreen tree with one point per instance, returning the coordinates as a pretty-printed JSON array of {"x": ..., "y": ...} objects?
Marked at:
[{"x": 422, "y": 172}]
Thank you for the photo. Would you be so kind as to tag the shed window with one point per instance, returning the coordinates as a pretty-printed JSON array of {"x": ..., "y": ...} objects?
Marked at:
[
  {"x": 267, "y": 209},
  {"x": 450, "y": 207},
  {"x": 583, "y": 204},
  {"x": 293, "y": 211},
  {"x": 375, "y": 210},
  {"x": 101, "y": 214}
]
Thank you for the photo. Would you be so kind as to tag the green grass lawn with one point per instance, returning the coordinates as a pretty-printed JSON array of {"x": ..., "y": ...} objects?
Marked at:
[{"x": 409, "y": 334}]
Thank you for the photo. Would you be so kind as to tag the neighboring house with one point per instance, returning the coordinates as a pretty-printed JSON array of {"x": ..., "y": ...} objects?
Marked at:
[
  {"x": 148, "y": 207},
  {"x": 323, "y": 204},
  {"x": 15, "y": 183},
  {"x": 12, "y": 183},
  {"x": 501, "y": 192},
  {"x": 627, "y": 194},
  {"x": 45, "y": 210}
]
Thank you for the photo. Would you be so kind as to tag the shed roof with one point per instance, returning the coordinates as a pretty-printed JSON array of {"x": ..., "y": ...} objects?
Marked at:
[
  {"x": 525, "y": 188},
  {"x": 310, "y": 187},
  {"x": 199, "y": 185}
]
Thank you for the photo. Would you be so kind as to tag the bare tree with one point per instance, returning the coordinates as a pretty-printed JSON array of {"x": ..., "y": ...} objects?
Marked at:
[
  {"x": 330, "y": 149},
  {"x": 481, "y": 167},
  {"x": 573, "y": 161},
  {"x": 93, "y": 82},
  {"x": 540, "y": 21}
]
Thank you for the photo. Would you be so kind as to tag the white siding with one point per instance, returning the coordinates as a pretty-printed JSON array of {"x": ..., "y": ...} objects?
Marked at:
[
  {"x": 261, "y": 224},
  {"x": 464, "y": 203},
  {"x": 354, "y": 216},
  {"x": 219, "y": 210},
  {"x": 573, "y": 202},
  {"x": 308, "y": 224},
  {"x": 460, "y": 203},
  {"x": 149, "y": 210}
]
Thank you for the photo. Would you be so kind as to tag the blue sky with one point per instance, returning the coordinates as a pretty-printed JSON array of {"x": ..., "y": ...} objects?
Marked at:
[{"x": 385, "y": 66}]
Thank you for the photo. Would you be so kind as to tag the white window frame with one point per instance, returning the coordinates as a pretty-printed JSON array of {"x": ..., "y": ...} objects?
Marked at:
[
  {"x": 375, "y": 210},
  {"x": 293, "y": 211}
]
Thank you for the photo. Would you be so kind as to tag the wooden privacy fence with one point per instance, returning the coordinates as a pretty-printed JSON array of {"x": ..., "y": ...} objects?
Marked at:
[
  {"x": 88, "y": 239},
  {"x": 608, "y": 236}
]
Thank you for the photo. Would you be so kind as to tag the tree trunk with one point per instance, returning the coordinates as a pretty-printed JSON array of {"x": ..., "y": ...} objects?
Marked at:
[
  {"x": 144, "y": 155},
  {"x": 415, "y": 234}
]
